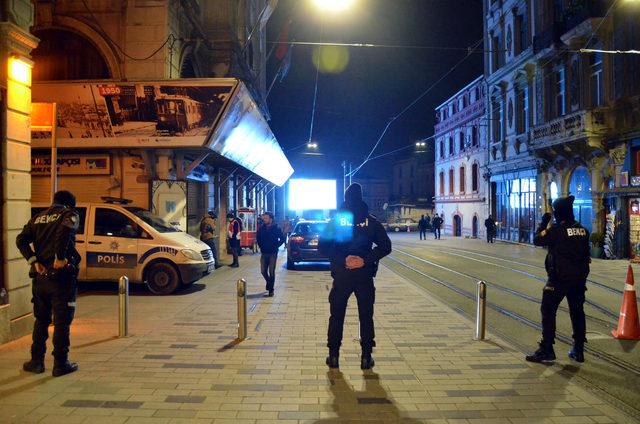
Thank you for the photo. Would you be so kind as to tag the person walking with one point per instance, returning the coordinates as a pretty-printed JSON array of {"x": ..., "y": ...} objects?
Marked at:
[
  {"x": 349, "y": 242},
  {"x": 233, "y": 235},
  {"x": 436, "y": 223},
  {"x": 567, "y": 265},
  {"x": 490, "y": 226},
  {"x": 209, "y": 233},
  {"x": 422, "y": 226},
  {"x": 54, "y": 264},
  {"x": 269, "y": 238}
]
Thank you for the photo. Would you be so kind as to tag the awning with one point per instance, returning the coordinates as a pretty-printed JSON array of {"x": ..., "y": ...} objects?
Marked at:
[{"x": 216, "y": 113}]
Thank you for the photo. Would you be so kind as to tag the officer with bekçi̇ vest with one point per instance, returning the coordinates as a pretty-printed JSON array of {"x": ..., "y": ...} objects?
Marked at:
[
  {"x": 54, "y": 268},
  {"x": 567, "y": 265}
]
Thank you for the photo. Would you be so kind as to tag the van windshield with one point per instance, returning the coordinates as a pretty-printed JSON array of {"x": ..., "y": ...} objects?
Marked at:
[{"x": 158, "y": 224}]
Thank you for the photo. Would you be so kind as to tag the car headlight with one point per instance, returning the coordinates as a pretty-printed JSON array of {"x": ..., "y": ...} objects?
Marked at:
[{"x": 191, "y": 254}]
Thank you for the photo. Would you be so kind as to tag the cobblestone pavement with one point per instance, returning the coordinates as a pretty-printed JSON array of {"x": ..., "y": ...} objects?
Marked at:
[{"x": 181, "y": 364}]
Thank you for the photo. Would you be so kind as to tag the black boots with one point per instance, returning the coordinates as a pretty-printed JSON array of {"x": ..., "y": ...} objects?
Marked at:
[
  {"x": 544, "y": 354},
  {"x": 36, "y": 367},
  {"x": 577, "y": 352},
  {"x": 366, "y": 361},
  {"x": 332, "y": 360},
  {"x": 64, "y": 368}
]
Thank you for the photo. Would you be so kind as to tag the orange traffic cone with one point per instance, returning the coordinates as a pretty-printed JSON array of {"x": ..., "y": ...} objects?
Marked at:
[{"x": 628, "y": 324}]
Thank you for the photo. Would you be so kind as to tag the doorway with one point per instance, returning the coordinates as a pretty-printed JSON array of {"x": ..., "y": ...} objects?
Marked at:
[
  {"x": 457, "y": 226},
  {"x": 474, "y": 227}
]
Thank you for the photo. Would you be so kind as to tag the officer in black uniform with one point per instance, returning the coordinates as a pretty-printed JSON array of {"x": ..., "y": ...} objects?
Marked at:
[
  {"x": 349, "y": 241},
  {"x": 567, "y": 265},
  {"x": 54, "y": 269}
]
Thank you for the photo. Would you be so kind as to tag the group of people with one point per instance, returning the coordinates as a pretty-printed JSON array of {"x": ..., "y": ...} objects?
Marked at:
[
  {"x": 435, "y": 224},
  {"x": 355, "y": 242}
]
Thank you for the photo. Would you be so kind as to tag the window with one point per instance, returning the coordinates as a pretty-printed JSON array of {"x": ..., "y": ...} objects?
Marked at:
[
  {"x": 451, "y": 181},
  {"x": 441, "y": 149},
  {"x": 596, "y": 83},
  {"x": 522, "y": 110},
  {"x": 560, "y": 90},
  {"x": 474, "y": 177},
  {"x": 461, "y": 141},
  {"x": 496, "y": 120},
  {"x": 522, "y": 32},
  {"x": 462, "y": 179},
  {"x": 441, "y": 183},
  {"x": 111, "y": 223},
  {"x": 474, "y": 136},
  {"x": 450, "y": 146}
]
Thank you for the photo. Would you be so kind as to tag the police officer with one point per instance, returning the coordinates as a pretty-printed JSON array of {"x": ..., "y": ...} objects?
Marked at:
[
  {"x": 349, "y": 241},
  {"x": 233, "y": 235},
  {"x": 567, "y": 265},
  {"x": 54, "y": 261}
]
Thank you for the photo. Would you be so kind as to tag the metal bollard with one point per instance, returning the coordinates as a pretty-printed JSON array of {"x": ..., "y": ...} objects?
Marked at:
[
  {"x": 481, "y": 308},
  {"x": 123, "y": 295},
  {"x": 241, "y": 288}
]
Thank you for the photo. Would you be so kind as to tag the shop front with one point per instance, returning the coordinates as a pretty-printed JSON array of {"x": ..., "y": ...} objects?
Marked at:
[{"x": 515, "y": 202}]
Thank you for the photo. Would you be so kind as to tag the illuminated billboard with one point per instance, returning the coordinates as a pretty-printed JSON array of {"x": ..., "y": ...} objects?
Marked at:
[{"x": 312, "y": 194}]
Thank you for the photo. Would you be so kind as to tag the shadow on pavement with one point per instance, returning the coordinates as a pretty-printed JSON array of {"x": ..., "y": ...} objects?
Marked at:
[
  {"x": 110, "y": 288},
  {"x": 349, "y": 404},
  {"x": 628, "y": 345}
]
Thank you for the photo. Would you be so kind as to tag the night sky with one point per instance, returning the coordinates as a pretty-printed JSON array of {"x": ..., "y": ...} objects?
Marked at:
[{"x": 354, "y": 106}]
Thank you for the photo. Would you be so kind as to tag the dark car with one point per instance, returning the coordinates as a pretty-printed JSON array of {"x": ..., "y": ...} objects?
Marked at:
[{"x": 303, "y": 243}]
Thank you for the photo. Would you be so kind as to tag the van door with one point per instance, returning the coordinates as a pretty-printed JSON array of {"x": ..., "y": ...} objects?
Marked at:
[
  {"x": 81, "y": 241},
  {"x": 112, "y": 244}
]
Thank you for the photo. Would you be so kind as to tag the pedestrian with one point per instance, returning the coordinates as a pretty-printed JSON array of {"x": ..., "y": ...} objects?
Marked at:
[
  {"x": 490, "y": 226},
  {"x": 270, "y": 238},
  {"x": 349, "y": 242},
  {"x": 422, "y": 226},
  {"x": 428, "y": 219},
  {"x": 233, "y": 235},
  {"x": 286, "y": 228},
  {"x": 54, "y": 264},
  {"x": 209, "y": 233},
  {"x": 567, "y": 265},
  {"x": 436, "y": 223}
]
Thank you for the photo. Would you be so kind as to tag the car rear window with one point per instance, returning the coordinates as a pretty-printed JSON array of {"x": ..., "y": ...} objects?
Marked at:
[{"x": 310, "y": 227}]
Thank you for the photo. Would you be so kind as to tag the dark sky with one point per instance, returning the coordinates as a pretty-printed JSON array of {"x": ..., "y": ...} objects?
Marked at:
[{"x": 354, "y": 106}]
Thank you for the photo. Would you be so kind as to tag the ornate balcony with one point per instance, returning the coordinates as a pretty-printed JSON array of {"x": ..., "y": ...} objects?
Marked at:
[{"x": 590, "y": 125}]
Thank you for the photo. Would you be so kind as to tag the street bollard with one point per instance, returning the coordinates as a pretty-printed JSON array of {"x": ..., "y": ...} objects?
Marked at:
[
  {"x": 481, "y": 308},
  {"x": 123, "y": 295},
  {"x": 241, "y": 287}
]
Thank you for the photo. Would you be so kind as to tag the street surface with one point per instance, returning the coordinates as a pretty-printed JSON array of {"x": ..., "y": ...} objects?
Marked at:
[{"x": 181, "y": 364}]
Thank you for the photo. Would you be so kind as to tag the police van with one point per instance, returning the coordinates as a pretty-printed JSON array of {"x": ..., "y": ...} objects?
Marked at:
[{"x": 115, "y": 240}]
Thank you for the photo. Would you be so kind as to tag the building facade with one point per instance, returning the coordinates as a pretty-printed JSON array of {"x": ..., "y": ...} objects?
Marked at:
[
  {"x": 412, "y": 183},
  {"x": 64, "y": 51},
  {"x": 375, "y": 193},
  {"x": 563, "y": 115},
  {"x": 460, "y": 163}
]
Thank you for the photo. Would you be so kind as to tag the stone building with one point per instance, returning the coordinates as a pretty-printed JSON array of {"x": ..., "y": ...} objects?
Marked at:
[
  {"x": 412, "y": 182},
  {"x": 563, "y": 120},
  {"x": 460, "y": 162},
  {"x": 195, "y": 118}
]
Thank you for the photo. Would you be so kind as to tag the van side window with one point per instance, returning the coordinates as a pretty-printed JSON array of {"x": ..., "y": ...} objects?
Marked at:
[
  {"x": 111, "y": 223},
  {"x": 81, "y": 211}
]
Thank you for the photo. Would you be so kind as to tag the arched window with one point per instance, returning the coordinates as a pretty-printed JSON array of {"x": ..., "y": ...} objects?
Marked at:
[
  {"x": 441, "y": 183},
  {"x": 474, "y": 177},
  {"x": 451, "y": 177},
  {"x": 450, "y": 146},
  {"x": 461, "y": 141},
  {"x": 462, "y": 179}
]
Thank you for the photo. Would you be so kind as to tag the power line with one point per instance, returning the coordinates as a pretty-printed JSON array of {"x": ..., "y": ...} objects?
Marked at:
[{"x": 385, "y": 46}]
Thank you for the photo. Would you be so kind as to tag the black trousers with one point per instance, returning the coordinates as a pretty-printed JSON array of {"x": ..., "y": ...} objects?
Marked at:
[
  {"x": 423, "y": 234},
  {"x": 365, "y": 293},
  {"x": 268, "y": 268},
  {"x": 214, "y": 252},
  {"x": 436, "y": 232},
  {"x": 234, "y": 245},
  {"x": 58, "y": 298},
  {"x": 490, "y": 236},
  {"x": 551, "y": 298}
]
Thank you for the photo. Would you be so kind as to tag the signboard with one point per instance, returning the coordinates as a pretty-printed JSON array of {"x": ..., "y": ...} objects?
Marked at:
[
  {"x": 72, "y": 165},
  {"x": 133, "y": 114},
  {"x": 635, "y": 180}
]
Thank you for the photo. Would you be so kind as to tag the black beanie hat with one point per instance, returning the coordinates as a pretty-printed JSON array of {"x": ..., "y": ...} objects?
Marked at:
[
  {"x": 64, "y": 197},
  {"x": 563, "y": 209},
  {"x": 353, "y": 194}
]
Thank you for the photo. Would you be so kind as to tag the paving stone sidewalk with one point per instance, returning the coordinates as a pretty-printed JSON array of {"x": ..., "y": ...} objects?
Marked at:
[{"x": 181, "y": 364}]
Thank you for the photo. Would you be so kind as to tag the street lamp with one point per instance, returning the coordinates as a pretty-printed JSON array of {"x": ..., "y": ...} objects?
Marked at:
[
  {"x": 335, "y": 6},
  {"x": 312, "y": 145}
]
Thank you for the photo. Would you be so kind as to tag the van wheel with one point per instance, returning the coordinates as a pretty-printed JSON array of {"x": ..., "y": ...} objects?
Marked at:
[
  {"x": 290, "y": 264},
  {"x": 162, "y": 278}
]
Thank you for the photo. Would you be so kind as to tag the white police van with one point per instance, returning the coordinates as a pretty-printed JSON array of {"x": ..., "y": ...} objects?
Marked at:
[{"x": 115, "y": 240}]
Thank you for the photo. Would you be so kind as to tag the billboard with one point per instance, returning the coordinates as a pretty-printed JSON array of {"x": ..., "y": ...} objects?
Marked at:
[
  {"x": 307, "y": 194},
  {"x": 134, "y": 114}
]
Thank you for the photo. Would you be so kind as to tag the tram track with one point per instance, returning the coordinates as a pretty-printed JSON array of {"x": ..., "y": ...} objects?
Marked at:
[{"x": 611, "y": 359}]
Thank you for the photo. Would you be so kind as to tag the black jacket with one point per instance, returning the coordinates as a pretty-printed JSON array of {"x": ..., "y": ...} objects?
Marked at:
[
  {"x": 270, "y": 238},
  {"x": 53, "y": 234},
  {"x": 355, "y": 232},
  {"x": 490, "y": 224},
  {"x": 422, "y": 224},
  {"x": 437, "y": 222},
  {"x": 568, "y": 256}
]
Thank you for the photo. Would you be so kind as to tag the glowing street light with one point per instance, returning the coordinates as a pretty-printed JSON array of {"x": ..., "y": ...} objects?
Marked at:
[
  {"x": 334, "y": 6},
  {"x": 312, "y": 145},
  {"x": 420, "y": 144}
]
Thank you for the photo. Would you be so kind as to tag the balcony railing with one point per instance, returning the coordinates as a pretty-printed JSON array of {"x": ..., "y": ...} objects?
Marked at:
[{"x": 578, "y": 125}]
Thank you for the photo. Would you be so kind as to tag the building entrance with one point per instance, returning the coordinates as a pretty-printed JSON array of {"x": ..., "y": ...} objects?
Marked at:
[
  {"x": 457, "y": 226},
  {"x": 580, "y": 187}
]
